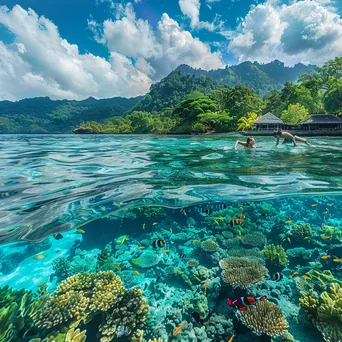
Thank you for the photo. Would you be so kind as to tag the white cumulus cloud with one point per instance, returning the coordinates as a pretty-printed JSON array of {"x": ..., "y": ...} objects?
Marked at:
[
  {"x": 191, "y": 8},
  {"x": 306, "y": 31}
]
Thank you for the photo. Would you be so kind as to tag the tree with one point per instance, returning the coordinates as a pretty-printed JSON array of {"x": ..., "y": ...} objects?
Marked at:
[
  {"x": 216, "y": 121},
  {"x": 141, "y": 122},
  {"x": 294, "y": 114},
  {"x": 333, "y": 99},
  {"x": 247, "y": 122}
]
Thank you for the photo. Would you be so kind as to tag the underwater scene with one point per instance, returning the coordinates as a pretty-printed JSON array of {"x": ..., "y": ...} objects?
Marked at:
[{"x": 175, "y": 238}]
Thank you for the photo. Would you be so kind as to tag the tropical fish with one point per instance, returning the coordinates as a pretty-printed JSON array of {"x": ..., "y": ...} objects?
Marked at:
[
  {"x": 86, "y": 211},
  {"x": 289, "y": 240},
  {"x": 58, "y": 236},
  {"x": 118, "y": 267},
  {"x": 158, "y": 243},
  {"x": 232, "y": 337},
  {"x": 336, "y": 259},
  {"x": 178, "y": 329},
  {"x": 198, "y": 318},
  {"x": 184, "y": 212},
  {"x": 235, "y": 221},
  {"x": 154, "y": 223},
  {"x": 326, "y": 237},
  {"x": 182, "y": 256},
  {"x": 124, "y": 239},
  {"x": 241, "y": 208},
  {"x": 239, "y": 237},
  {"x": 102, "y": 257},
  {"x": 305, "y": 276},
  {"x": 216, "y": 221},
  {"x": 165, "y": 251},
  {"x": 221, "y": 206},
  {"x": 43, "y": 283},
  {"x": 314, "y": 205},
  {"x": 137, "y": 272},
  {"x": 144, "y": 225},
  {"x": 136, "y": 261},
  {"x": 133, "y": 253},
  {"x": 141, "y": 247},
  {"x": 288, "y": 221},
  {"x": 171, "y": 230},
  {"x": 295, "y": 273},
  {"x": 205, "y": 211},
  {"x": 291, "y": 276},
  {"x": 325, "y": 257},
  {"x": 242, "y": 302},
  {"x": 277, "y": 276},
  {"x": 220, "y": 218},
  {"x": 206, "y": 285},
  {"x": 40, "y": 256},
  {"x": 195, "y": 241},
  {"x": 80, "y": 230},
  {"x": 180, "y": 271},
  {"x": 198, "y": 279},
  {"x": 325, "y": 213},
  {"x": 329, "y": 204}
]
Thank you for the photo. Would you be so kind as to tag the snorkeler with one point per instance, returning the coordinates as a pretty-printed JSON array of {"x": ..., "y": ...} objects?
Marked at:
[
  {"x": 288, "y": 138},
  {"x": 250, "y": 143}
]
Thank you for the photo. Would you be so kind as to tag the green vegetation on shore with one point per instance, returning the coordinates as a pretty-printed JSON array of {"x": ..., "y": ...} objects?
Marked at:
[{"x": 193, "y": 104}]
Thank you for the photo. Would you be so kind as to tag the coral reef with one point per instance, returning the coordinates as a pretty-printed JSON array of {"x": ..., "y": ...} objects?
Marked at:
[
  {"x": 301, "y": 231},
  {"x": 333, "y": 232},
  {"x": 209, "y": 246},
  {"x": 129, "y": 311},
  {"x": 275, "y": 255},
  {"x": 264, "y": 318},
  {"x": 254, "y": 239},
  {"x": 242, "y": 272},
  {"x": 149, "y": 259}
]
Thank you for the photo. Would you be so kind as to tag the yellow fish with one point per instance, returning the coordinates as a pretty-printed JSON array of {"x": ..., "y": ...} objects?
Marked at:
[
  {"x": 305, "y": 276},
  {"x": 137, "y": 272},
  {"x": 288, "y": 221},
  {"x": 165, "y": 251},
  {"x": 216, "y": 221},
  {"x": 118, "y": 267},
  {"x": 239, "y": 237},
  {"x": 290, "y": 276},
  {"x": 171, "y": 230},
  {"x": 198, "y": 279},
  {"x": 195, "y": 241},
  {"x": 43, "y": 283},
  {"x": 80, "y": 230},
  {"x": 289, "y": 240},
  {"x": 295, "y": 273},
  {"x": 184, "y": 212},
  {"x": 141, "y": 247},
  {"x": 220, "y": 218},
  {"x": 164, "y": 232},
  {"x": 179, "y": 271},
  {"x": 122, "y": 240},
  {"x": 178, "y": 329},
  {"x": 206, "y": 285},
  {"x": 87, "y": 211},
  {"x": 40, "y": 256},
  {"x": 325, "y": 257},
  {"x": 241, "y": 208},
  {"x": 144, "y": 226},
  {"x": 326, "y": 237},
  {"x": 154, "y": 223},
  {"x": 136, "y": 261},
  {"x": 325, "y": 213},
  {"x": 232, "y": 338},
  {"x": 337, "y": 260},
  {"x": 314, "y": 205}
]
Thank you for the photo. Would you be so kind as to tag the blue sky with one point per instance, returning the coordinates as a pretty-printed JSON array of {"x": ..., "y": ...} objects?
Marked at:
[{"x": 104, "y": 48}]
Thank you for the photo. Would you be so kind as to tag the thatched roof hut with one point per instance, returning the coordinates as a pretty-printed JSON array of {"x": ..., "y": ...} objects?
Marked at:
[{"x": 268, "y": 122}]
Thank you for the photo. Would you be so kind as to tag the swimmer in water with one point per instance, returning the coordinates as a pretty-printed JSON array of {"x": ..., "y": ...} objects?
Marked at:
[
  {"x": 288, "y": 138},
  {"x": 250, "y": 143}
]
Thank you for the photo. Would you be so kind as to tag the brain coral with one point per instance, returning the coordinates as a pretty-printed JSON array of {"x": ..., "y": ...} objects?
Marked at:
[
  {"x": 264, "y": 318},
  {"x": 242, "y": 272}
]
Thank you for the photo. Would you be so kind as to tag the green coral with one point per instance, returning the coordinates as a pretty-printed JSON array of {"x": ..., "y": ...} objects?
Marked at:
[
  {"x": 149, "y": 213},
  {"x": 242, "y": 272},
  {"x": 301, "y": 231},
  {"x": 325, "y": 311},
  {"x": 73, "y": 335},
  {"x": 209, "y": 246},
  {"x": 130, "y": 312},
  {"x": 334, "y": 232},
  {"x": 79, "y": 296},
  {"x": 275, "y": 255},
  {"x": 61, "y": 267}
]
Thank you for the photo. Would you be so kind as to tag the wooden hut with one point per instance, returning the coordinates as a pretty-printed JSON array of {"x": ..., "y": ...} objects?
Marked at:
[
  {"x": 268, "y": 122},
  {"x": 321, "y": 122}
]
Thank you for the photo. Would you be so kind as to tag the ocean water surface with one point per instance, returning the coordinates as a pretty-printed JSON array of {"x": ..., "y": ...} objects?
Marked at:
[{"x": 164, "y": 213}]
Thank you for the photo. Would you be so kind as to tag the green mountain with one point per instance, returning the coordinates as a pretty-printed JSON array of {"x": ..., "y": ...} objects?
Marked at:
[
  {"x": 43, "y": 115},
  {"x": 263, "y": 78}
]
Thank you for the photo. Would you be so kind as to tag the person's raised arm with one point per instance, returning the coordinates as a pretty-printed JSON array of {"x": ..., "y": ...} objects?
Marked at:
[{"x": 238, "y": 142}]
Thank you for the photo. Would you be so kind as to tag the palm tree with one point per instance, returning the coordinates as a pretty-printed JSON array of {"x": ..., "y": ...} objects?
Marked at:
[{"x": 247, "y": 122}]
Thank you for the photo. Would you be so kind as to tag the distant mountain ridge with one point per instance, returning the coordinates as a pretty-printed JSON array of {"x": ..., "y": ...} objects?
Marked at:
[{"x": 263, "y": 78}]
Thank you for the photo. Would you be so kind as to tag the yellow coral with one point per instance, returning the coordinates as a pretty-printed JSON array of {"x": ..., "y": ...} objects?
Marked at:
[
  {"x": 264, "y": 318},
  {"x": 242, "y": 272}
]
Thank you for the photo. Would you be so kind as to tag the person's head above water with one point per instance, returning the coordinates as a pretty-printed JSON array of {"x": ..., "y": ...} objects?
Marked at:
[
  {"x": 277, "y": 133},
  {"x": 250, "y": 141}
]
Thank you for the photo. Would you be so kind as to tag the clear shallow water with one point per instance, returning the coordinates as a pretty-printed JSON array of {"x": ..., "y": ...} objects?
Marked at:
[{"x": 52, "y": 184}]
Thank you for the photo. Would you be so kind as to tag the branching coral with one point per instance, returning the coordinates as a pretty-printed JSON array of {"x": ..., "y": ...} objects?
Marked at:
[
  {"x": 209, "y": 246},
  {"x": 334, "y": 232},
  {"x": 129, "y": 311},
  {"x": 275, "y": 255},
  {"x": 264, "y": 318},
  {"x": 71, "y": 336},
  {"x": 254, "y": 239},
  {"x": 325, "y": 311},
  {"x": 78, "y": 296},
  {"x": 301, "y": 231},
  {"x": 242, "y": 272},
  {"x": 61, "y": 267}
]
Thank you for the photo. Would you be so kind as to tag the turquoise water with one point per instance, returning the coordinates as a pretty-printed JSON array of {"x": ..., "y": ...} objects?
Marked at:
[{"x": 111, "y": 197}]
